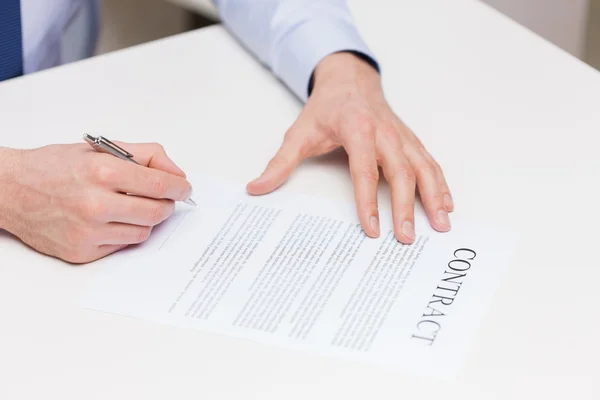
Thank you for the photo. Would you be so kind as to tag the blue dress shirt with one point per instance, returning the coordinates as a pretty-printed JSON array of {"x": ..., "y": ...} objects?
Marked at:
[{"x": 290, "y": 37}]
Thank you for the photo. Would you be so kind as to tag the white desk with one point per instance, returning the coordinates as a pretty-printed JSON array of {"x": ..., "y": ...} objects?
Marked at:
[{"x": 514, "y": 121}]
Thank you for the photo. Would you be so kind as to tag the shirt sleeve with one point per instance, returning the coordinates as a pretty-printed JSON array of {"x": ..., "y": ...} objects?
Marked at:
[{"x": 292, "y": 37}]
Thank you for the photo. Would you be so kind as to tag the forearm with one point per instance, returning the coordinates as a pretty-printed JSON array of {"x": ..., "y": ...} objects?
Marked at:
[{"x": 293, "y": 36}]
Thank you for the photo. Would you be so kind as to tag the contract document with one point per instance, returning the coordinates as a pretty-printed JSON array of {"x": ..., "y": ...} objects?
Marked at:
[{"x": 299, "y": 272}]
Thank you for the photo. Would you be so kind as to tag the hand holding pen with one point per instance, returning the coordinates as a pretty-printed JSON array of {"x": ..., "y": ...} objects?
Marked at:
[
  {"x": 89, "y": 204},
  {"x": 103, "y": 145}
]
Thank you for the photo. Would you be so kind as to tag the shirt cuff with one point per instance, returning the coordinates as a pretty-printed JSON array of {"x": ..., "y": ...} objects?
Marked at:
[{"x": 303, "y": 48}]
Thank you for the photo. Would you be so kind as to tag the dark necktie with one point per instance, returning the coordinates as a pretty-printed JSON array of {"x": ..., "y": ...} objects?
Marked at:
[{"x": 11, "y": 53}]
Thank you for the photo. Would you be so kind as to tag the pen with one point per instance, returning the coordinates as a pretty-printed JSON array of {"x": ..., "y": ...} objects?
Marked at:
[{"x": 103, "y": 145}]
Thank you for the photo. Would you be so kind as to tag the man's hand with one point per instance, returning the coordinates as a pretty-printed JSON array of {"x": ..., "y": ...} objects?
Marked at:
[
  {"x": 70, "y": 202},
  {"x": 347, "y": 108}
]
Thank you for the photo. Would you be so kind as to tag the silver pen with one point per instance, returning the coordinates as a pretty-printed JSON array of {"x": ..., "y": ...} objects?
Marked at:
[{"x": 103, "y": 145}]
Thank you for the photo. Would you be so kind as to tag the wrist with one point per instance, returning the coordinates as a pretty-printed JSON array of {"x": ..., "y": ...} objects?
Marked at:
[
  {"x": 345, "y": 68},
  {"x": 9, "y": 159}
]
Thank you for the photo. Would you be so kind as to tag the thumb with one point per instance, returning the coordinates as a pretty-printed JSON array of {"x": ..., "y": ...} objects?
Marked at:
[
  {"x": 290, "y": 155},
  {"x": 152, "y": 155}
]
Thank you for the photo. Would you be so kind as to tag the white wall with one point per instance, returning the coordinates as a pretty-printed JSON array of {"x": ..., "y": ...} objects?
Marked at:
[
  {"x": 592, "y": 55},
  {"x": 563, "y": 22},
  {"x": 204, "y": 7},
  {"x": 131, "y": 22},
  {"x": 128, "y": 22}
]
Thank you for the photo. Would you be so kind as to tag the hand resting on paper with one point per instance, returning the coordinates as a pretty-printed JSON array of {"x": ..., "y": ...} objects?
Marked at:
[
  {"x": 347, "y": 108},
  {"x": 69, "y": 201}
]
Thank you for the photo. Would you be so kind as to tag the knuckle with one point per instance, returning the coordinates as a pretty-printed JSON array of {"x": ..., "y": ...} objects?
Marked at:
[
  {"x": 370, "y": 203},
  {"x": 405, "y": 210},
  {"x": 93, "y": 209},
  {"x": 409, "y": 148},
  {"x": 389, "y": 130},
  {"x": 432, "y": 201},
  {"x": 309, "y": 142},
  {"x": 404, "y": 173},
  {"x": 158, "y": 213},
  {"x": 78, "y": 237},
  {"x": 158, "y": 148},
  {"x": 434, "y": 164},
  {"x": 389, "y": 138},
  {"x": 369, "y": 174},
  {"x": 365, "y": 124},
  {"x": 76, "y": 256},
  {"x": 427, "y": 168},
  {"x": 436, "y": 198},
  {"x": 160, "y": 186},
  {"x": 292, "y": 132},
  {"x": 105, "y": 174},
  {"x": 143, "y": 234}
]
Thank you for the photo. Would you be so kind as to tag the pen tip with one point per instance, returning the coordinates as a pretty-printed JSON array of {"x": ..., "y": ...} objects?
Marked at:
[{"x": 190, "y": 202}]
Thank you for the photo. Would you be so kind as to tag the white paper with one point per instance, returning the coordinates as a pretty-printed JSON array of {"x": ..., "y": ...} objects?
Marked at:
[{"x": 300, "y": 273}]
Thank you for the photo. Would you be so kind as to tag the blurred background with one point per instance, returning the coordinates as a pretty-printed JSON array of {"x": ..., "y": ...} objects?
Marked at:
[{"x": 573, "y": 25}]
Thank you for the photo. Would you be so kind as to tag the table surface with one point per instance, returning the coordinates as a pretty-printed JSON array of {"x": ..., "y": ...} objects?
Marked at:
[{"x": 513, "y": 120}]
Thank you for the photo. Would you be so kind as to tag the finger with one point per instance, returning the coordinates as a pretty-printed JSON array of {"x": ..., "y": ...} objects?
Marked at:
[
  {"x": 401, "y": 177},
  {"x": 365, "y": 177},
  {"x": 152, "y": 155},
  {"x": 136, "y": 210},
  {"x": 105, "y": 250},
  {"x": 116, "y": 233},
  {"x": 291, "y": 153},
  {"x": 125, "y": 177},
  {"x": 447, "y": 196},
  {"x": 93, "y": 255},
  {"x": 429, "y": 189}
]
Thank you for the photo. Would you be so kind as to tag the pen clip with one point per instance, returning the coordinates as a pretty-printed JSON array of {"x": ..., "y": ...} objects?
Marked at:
[
  {"x": 108, "y": 143},
  {"x": 103, "y": 144}
]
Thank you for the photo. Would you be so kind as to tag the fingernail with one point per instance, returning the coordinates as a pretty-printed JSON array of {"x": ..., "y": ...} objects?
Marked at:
[
  {"x": 374, "y": 222},
  {"x": 408, "y": 230},
  {"x": 448, "y": 203},
  {"x": 443, "y": 219}
]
